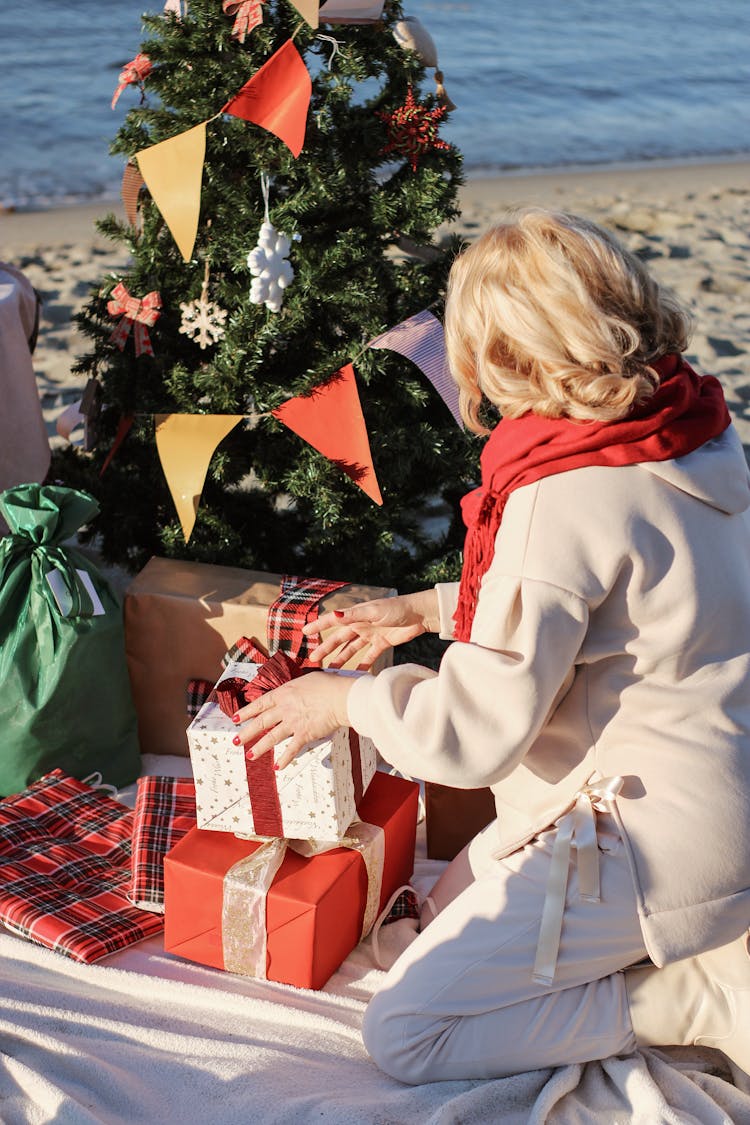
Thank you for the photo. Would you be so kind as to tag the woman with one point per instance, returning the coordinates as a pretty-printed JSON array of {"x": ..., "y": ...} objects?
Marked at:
[{"x": 599, "y": 682}]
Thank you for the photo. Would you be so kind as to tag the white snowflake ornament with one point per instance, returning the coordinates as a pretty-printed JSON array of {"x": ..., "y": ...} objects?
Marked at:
[
  {"x": 202, "y": 320},
  {"x": 269, "y": 265}
]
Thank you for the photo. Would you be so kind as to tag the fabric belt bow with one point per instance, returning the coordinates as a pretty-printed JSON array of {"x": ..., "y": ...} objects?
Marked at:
[{"x": 577, "y": 826}]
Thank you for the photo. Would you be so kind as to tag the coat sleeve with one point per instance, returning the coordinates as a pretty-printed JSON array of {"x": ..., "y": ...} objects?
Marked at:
[
  {"x": 447, "y": 596},
  {"x": 471, "y": 723}
]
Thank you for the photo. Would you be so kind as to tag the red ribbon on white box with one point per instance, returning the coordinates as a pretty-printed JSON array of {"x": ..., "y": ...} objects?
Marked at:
[
  {"x": 261, "y": 801},
  {"x": 262, "y": 780},
  {"x": 247, "y": 883}
]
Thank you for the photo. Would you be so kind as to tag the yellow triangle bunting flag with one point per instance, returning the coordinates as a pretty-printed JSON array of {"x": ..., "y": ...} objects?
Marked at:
[
  {"x": 186, "y": 444},
  {"x": 173, "y": 171}
]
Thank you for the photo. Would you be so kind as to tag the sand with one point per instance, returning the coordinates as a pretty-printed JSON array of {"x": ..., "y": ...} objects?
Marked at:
[{"x": 690, "y": 222}]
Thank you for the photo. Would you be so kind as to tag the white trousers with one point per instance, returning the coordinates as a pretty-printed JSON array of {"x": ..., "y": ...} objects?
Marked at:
[{"x": 460, "y": 1002}]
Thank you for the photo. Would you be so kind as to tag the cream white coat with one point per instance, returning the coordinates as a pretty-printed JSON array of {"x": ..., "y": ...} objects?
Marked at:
[{"x": 612, "y": 637}]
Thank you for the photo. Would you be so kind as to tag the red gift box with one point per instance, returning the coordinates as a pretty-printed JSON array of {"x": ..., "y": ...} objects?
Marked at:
[{"x": 315, "y": 906}]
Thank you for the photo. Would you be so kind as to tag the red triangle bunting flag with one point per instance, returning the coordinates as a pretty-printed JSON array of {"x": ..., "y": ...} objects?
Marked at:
[
  {"x": 277, "y": 97},
  {"x": 330, "y": 419}
]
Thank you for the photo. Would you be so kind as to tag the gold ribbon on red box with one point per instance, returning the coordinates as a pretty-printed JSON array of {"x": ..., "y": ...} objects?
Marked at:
[{"x": 247, "y": 883}]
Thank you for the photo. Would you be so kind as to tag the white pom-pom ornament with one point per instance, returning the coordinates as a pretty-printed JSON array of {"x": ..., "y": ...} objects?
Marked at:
[{"x": 272, "y": 272}]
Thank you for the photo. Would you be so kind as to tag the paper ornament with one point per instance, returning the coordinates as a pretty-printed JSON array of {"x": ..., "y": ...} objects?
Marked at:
[
  {"x": 277, "y": 97},
  {"x": 412, "y": 130},
  {"x": 135, "y": 312},
  {"x": 271, "y": 269},
  {"x": 422, "y": 340},
  {"x": 247, "y": 15},
  {"x": 173, "y": 171},
  {"x": 133, "y": 74},
  {"x": 412, "y": 35},
  {"x": 330, "y": 419},
  {"x": 186, "y": 443},
  {"x": 351, "y": 11},
  {"x": 203, "y": 320}
]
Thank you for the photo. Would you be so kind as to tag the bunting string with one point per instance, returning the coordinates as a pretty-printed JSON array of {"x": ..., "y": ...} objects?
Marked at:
[{"x": 336, "y": 47}]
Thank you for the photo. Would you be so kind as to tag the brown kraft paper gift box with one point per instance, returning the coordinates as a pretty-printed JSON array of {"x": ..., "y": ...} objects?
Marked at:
[
  {"x": 180, "y": 619},
  {"x": 454, "y": 816}
]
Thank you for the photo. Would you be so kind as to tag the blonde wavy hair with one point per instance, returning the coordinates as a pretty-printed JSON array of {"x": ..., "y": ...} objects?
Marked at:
[{"x": 549, "y": 313}]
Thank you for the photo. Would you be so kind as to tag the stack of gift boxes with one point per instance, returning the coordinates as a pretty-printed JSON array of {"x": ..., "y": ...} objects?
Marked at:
[
  {"x": 284, "y": 871},
  {"x": 277, "y": 874},
  {"x": 287, "y": 870}
]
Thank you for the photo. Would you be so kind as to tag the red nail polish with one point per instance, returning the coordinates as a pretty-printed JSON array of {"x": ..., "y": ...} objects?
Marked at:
[
  {"x": 338, "y": 613},
  {"x": 249, "y": 756},
  {"x": 276, "y": 766},
  {"x": 235, "y": 718},
  {"x": 237, "y": 740}
]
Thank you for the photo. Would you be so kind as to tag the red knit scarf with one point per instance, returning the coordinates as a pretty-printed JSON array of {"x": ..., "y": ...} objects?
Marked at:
[{"x": 685, "y": 411}]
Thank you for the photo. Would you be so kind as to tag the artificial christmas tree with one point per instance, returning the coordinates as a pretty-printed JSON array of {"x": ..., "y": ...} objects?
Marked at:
[{"x": 271, "y": 242}]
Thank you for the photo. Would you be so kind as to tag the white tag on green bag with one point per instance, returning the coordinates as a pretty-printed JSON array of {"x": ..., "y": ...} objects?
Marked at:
[{"x": 62, "y": 595}]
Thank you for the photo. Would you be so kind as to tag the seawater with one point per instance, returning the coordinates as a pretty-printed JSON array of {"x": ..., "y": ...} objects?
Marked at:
[{"x": 542, "y": 83}]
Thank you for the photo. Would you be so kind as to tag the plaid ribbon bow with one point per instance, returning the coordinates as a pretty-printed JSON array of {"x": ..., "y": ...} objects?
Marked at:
[
  {"x": 142, "y": 312},
  {"x": 298, "y": 603},
  {"x": 243, "y": 651},
  {"x": 247, "y": 15},
  {"x": 132, "y": 73}
]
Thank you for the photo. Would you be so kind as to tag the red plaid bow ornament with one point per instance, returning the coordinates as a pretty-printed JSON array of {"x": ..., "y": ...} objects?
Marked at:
[
  {"x": 132, "y": 73},
  {"x": 247, "y": 15},
  {"x": 141, "y": 312}
]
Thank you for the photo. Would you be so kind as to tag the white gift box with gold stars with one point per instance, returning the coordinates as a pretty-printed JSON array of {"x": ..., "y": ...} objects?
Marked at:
[{"x": 314, "y": 797}]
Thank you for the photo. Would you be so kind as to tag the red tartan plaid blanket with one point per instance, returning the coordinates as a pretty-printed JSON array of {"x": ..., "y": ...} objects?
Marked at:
[
  {"x": 164, "y": 813},
  {"x": 65, "y": 852}
]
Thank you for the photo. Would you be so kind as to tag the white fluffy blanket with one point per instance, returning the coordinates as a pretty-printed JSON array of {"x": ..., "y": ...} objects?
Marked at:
[{"x": 145, "y": 1038}]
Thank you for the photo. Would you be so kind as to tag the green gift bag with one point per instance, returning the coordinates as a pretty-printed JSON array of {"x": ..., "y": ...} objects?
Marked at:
[{"x": 65, "y": 697}]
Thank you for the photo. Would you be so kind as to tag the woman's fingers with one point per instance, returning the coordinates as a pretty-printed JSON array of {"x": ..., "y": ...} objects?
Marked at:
[
  {"x": 350, "y": 649},
  {"x": 334, "y": 641},
  {"x": 288, "y": 754},
  {"x": 364, "y": 613},
  {"x": 301, "y": 711},
  {"x": 313, "y": 628},
  {"x": 347, "y": 650},
  {"x": 262, "y": 732}
]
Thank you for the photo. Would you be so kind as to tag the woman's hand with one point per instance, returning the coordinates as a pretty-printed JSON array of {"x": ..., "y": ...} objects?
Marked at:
[
  {"x": 375, "y": 626},
  {"x": 305, "y": 709}
]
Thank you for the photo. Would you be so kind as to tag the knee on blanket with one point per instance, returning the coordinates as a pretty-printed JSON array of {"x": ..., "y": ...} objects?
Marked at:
[{"x": 404, "y": 1045}]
